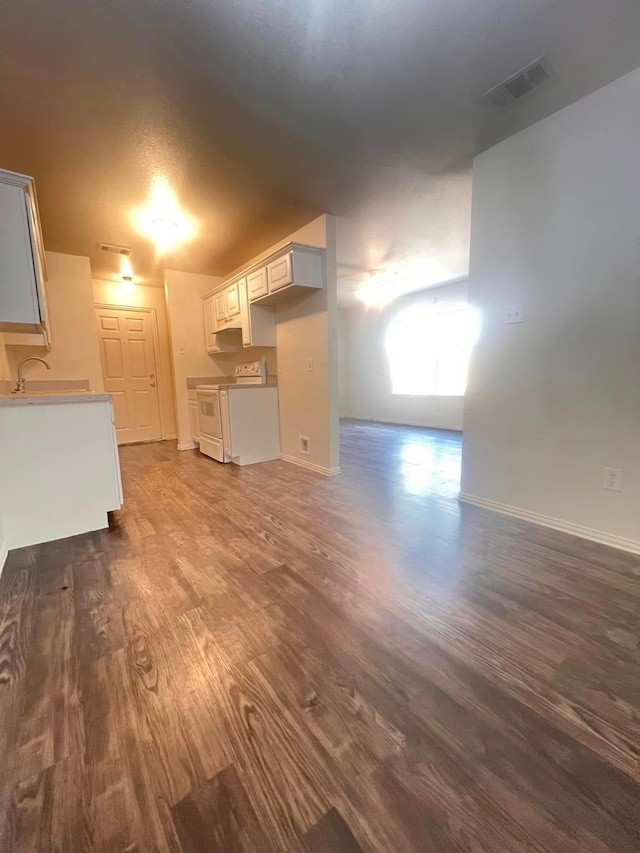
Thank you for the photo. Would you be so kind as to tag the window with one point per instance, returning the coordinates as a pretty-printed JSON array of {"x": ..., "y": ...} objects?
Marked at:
[{"x": 428, "y": 352}]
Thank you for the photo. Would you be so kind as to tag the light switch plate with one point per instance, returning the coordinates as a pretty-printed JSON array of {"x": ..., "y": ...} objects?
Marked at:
[{"x": 514, "y": 314}]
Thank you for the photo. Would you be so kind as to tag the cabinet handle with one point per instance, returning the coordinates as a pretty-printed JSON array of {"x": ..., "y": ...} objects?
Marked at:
[{"x": 153, "y": 384}]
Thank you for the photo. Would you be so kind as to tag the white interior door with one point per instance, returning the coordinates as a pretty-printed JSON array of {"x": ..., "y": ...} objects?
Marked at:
[{"x": 129, "y": 371}]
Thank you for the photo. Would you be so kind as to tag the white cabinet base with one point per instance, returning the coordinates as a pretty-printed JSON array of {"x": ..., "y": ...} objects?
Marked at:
[{"x": 59, "y": 471}]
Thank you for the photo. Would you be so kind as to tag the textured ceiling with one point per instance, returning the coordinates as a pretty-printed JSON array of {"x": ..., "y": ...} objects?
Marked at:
[{"x": 262, "y": 113}]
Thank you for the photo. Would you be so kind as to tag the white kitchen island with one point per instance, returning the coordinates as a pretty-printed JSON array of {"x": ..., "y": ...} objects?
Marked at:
[{"x": 59, "y": 466}]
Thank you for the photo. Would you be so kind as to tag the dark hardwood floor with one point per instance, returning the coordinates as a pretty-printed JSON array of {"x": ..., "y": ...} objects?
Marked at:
[{"x": 263, "y": 659}]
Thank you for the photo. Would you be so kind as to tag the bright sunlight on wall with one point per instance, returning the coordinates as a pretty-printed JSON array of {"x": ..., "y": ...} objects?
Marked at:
[{"x": 428, "y": 351}]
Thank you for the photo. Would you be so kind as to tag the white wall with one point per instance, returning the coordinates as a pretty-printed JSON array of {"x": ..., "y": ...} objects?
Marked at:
[
  {"x": 139, "y": 296},
  {"x": 343, "y": 362},
  {"x": 366, "y": 387},
  {"x": 552, "y": 401},
  {"x": 75, "y": 353},
  {"x": 4, "y": 549}
]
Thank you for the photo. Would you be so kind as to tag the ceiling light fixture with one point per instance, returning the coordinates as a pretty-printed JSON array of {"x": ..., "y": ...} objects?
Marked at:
[
  {"x": 379, "y": 290},
  {"x": 162, "y": 220},
  {"x": 165, "y": 231}
]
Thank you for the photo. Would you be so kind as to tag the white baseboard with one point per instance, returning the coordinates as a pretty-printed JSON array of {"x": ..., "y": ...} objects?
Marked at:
[
  {"x": 455, "y": 428},
  {"x": 3, "y": 554},
  {"x": 554, "y": 523},
  {"x": 171, "y": 437},
  {"x": 311, "y": 466},
  {"x": 191, "y": 446}
]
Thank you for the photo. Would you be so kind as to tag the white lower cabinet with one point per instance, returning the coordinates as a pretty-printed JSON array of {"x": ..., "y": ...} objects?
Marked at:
[{"x": 60, "y": 469}]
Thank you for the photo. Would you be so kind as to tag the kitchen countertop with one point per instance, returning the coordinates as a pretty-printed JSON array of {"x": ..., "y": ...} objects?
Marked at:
[
  {"x": 192, "y": 381},
  {"x": 238, "y": 387},
  {"x": 44, "y": 398}
]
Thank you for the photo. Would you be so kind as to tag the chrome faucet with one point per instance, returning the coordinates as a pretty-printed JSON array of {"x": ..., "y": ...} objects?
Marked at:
[{"x": 21, "y": 380}]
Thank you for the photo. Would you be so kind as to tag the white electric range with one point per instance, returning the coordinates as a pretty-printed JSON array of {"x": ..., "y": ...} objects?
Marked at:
[{"x": 240, "y": 422}]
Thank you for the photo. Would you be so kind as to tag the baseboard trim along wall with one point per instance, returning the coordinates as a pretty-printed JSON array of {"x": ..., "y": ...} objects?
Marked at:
[
  {"x": 191, "y": 446},
  {"x": 3, "y": 554},
  {"x": 554, "y": 523},
  {"x": 311, "y": 466},
  {"x": 455, "y": 428}
]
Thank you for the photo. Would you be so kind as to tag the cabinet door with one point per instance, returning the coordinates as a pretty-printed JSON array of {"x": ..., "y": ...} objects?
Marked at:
[
  {"x": 19, "y": 294},
  {"x": 257, "y": 284},
  {"x": 233, "y": 300},
  {"x": 245, "y": 313},
  {"x": 193, "y": 419},
  {"x": 220, "y": 308},
  {"x": 280, "y": 273},
  {"x": 209, "y": 323}
]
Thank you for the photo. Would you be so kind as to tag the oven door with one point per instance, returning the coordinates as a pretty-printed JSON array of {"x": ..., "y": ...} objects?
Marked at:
[{"x": 209, "y": 424}]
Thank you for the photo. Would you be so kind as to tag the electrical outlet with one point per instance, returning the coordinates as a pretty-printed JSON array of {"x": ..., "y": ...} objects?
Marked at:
[
  {"x": 180, "y": 349},
  {"x": 514, "y": 314},
  {"x": 613, "y": 479},
  {"x": 304, "y": 445}
]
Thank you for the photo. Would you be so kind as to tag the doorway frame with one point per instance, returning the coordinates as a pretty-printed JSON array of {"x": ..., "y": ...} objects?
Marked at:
[{"x": 156, "y": 352}]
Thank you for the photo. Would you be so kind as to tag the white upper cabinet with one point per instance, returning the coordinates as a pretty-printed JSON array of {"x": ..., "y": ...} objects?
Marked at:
[
  {"x": 280, "y": 272},
  {"x": 293, "y": 270},
  {"x": 233, "y": 299},
  {"x": 258, "y": 322},
  {"x": 226, "y": 307},
  {"x": 209, "y": 322},
  {"x": 23, "y": 306},
  {"x": 220, "y": 309},
  {"x": 213, "y": 341},
  {"x": 257, "y": 285},
  {"x": 243, "y": 303}
]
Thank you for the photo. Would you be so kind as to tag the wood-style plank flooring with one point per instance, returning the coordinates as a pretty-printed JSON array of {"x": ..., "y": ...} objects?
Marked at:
[{"x": 263, "y": 659}]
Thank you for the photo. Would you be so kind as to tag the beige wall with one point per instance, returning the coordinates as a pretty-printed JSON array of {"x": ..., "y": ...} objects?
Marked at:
[
  {"x": 366, "y": 384},
  {"x": 554, "y": 400},
  {"x": 306, "y": 327},
  {"x": 5, "y": 370},
  {"x": 75, "y": 353},
  {"x": 140, "y": 296}
]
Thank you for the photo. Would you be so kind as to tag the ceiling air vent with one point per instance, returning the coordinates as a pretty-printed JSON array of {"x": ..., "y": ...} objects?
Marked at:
[
  {"x": 114, "y": 250},
  {"x": 529, "y": 79}
]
